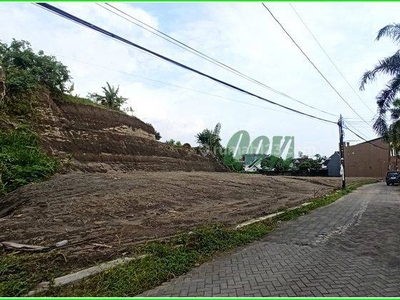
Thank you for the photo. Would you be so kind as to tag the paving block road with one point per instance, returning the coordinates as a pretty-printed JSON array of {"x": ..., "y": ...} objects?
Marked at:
[{"x": 349, "y": 248}]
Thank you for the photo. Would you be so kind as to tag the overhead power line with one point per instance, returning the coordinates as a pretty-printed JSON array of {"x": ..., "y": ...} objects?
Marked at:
[
  {"x": 169, "y": 84},
  {"x": 369, "y": 142},
  {"x": 347, "y": 125},
  {"x": 330, "y": 59},
  {"x": 79, "y": 21},
  {"x": 174, "y": 85},
  {"x": 122, "y": 14},
  {"x": 315, "y": 67}
]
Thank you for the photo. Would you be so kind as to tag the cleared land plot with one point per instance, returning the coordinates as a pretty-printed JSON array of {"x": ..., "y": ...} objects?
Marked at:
[{"x": 101, "y": 215}]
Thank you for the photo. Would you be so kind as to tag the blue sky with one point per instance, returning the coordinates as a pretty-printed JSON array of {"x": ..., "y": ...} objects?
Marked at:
[{"x": 242, "y": 35}]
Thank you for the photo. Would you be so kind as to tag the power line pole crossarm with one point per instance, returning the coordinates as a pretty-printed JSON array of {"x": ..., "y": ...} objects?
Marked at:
[{"x": 341, "y": 148}]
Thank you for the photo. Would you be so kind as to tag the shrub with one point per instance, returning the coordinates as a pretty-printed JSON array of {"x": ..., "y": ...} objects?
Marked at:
[
  {"x": 21, "y": 159},
  {"x": 232, "y": 163},
  {"x": 26, "y": 71}
]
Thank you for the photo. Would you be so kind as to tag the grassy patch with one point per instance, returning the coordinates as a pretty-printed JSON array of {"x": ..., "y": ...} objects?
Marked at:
[
  {"x": 80, "y": 101},
  {"x": 179, "y": 255},
  {"x": 84, "y": 101},
  {"x": 21, "y": 272},
  {"x": 167, "y": 260},
  {"x": 21, "y": 159}
]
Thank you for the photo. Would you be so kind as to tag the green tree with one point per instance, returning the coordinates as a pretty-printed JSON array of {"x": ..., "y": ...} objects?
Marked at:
[
  {"x": 387, "y": 66},
  {"x": 272, "y": 163},
  {"x": 110, "y": 97},
  {"x": 315, "y": 164},
  {"x": 305, "y": 165},
  {"x": 232, "y": 163},
  {"x": 26, "y": 71},
  {"x": 210, "y": 139}
]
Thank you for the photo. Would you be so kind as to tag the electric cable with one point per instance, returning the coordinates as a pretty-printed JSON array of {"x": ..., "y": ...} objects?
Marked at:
[
  {"x": 79, "y": 21},
  {"x": 330, "y": 59},
  {"x": 315, "y": 67},
  {"x": 202, "y": 55},
  {"x": 369, "y": 142}
]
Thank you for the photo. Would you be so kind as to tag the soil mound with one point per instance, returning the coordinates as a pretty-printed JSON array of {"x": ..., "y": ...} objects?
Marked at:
[{"x": 93, "y": 139}]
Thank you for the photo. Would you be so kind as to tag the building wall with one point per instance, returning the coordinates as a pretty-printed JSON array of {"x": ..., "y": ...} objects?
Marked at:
[
  {"x": 334, "y": 165},
  {"x": 365, "y": 160}
]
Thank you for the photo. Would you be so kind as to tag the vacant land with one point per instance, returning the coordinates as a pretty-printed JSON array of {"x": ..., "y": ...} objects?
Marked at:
[{"x": 103, "y": 214}]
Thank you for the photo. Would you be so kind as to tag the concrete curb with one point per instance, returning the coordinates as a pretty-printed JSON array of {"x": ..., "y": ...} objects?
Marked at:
[
  {"x": 78, "y": 276},
  {"x": 270, "y": 216}
]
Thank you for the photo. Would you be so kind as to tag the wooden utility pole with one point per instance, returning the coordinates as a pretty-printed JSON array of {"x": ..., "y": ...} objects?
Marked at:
[{"x": 341, "y": 148}]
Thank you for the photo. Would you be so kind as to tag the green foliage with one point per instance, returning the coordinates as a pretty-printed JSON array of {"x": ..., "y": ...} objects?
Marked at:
[
  {"x": 232, "y": 163},
  {"x": 268, "y": 163},
  {"x": 174, "y": 143},
  {"x": 315, "y": 164},
  {"x": 2, "y": 186},
  {"x": 21, "y": 159},
  {"x": 80, "y": 101},
  {"x": 305, "y": 165},
  {"x": 392, "y": 135},
  {"x": 387, "y": 66},
  {"x": 168, "y": 260},
  {"x": 277, "y": 164},
  {"x": 110, "y": 97},
  {"x": 170, "y": 142},
  {"x": 210, "y": 139},
  {"x": 12, "y": 269},
  {"x": 19, "y": 273},
  {"x": 26, "y": 71}
]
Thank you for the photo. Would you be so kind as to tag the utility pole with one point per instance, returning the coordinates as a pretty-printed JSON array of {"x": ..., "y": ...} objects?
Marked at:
[{"x": 341, "y": 148}]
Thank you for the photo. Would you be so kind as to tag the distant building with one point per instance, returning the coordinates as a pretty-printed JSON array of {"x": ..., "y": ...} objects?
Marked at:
[
  {"x": 332, "y": 164},
  {"x": 252, "y": 160},
  {"x": 368, "y": 159}
]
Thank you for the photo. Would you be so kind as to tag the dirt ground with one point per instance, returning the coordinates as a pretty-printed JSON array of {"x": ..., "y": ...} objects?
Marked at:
[
  {"x": 101, "y": 214},
  {"x": 120, "y": 209}
]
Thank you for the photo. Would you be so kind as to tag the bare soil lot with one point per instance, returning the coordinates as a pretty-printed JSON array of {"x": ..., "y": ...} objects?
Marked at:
[{"x": 101, "y": 215}]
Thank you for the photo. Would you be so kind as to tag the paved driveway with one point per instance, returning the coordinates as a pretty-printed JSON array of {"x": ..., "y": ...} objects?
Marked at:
[{"x": 350, "y": 248}]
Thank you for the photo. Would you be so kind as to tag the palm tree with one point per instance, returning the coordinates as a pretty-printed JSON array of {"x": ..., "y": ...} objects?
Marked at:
[
  {"x": 211, "y": 141},
  {"x": 110, "y": 97},
  {"x": 209, "y": 138},
  {"x": 389, "y": 66}
]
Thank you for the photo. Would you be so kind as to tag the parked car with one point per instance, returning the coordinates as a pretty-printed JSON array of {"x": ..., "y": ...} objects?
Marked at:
[{"x": 393, "y": 177}]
